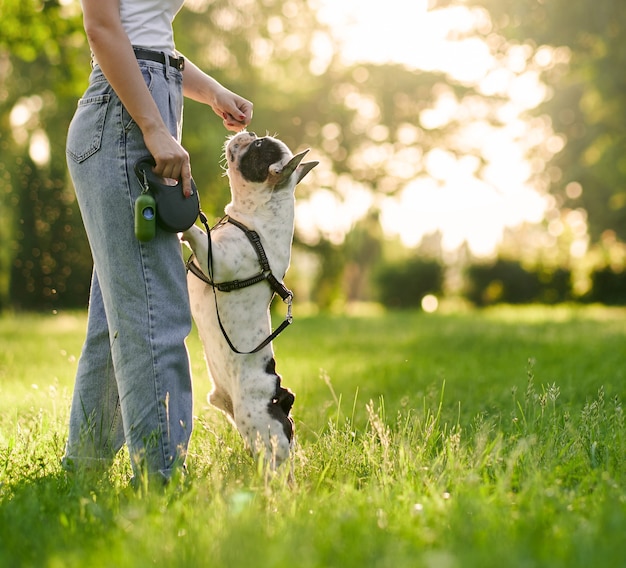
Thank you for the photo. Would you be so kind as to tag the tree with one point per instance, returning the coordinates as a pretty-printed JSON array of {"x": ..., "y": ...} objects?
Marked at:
[
  {"x": 580, "y": 48},
  {"x": 42, "y": 55}
]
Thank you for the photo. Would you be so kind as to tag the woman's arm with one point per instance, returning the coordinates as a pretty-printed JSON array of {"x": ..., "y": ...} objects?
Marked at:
[
  {"x": 116, "y": 58},
  {"x": 235, "y": 111}
]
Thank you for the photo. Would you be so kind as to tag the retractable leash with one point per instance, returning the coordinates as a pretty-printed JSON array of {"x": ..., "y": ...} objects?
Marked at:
[
  {"x": 265, "y": 274},
  {"x": 162, "y": 204}
]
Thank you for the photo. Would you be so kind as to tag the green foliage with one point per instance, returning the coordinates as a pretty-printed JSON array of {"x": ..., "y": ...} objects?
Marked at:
[
  {"x": 36, "y": 29},
  {"x": 403, "y": 284},
  {"x": 587, "y": 103},
  {"x": 326, "y": 291},
  {"x": 608, "y": 287},
  {"x": 52, "y": 264},
  {"x": 45, "y": 61},
  {"x": 509, "y": 282},
  {"x": 407, "y": 456}
]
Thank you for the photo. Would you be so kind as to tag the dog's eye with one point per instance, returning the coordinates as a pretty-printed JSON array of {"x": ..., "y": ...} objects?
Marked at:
[{"x": 258, "y": 143}]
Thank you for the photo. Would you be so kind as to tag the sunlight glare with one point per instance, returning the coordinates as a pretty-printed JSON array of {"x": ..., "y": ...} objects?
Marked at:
[
  {"x": 453, "y": 200},
  {"x": 430, "y": 304},
  {"x": 463, "y": 209},
  {"x": 39, "y": 148},
  {"x": 404, "y": 31},
  {"x": 332, "y": 214}
]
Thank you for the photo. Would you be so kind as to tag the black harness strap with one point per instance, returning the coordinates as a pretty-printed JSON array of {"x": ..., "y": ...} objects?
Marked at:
[{"x": 265, "y": 274}]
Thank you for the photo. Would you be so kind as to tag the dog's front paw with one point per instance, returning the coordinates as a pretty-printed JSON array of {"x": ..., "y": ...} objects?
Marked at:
[
  {"x": 195, "y": 238},
  {"x": 268, "y": 428},
  {"x": 280, "y": 407}
]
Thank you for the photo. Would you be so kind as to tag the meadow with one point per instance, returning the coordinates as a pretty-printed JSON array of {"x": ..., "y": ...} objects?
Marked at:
[{"x": 447, "y": 440}]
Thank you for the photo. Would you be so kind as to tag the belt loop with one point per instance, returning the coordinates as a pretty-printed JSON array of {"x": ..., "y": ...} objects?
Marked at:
[{"x": 166, "y": 64}]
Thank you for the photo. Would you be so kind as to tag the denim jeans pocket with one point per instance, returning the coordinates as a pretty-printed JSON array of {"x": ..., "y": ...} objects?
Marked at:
[{"x": 84, "y": 136}]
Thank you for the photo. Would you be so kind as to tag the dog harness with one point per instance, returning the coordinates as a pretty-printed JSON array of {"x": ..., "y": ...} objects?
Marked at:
[{"x": 265, "y": 274}]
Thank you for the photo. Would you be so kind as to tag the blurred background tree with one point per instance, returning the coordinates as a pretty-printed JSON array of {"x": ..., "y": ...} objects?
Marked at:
[
  {"x": 578, "y": 46},
  {"x": 374, "y": 126},
  {"x": 44, "y": 258}
]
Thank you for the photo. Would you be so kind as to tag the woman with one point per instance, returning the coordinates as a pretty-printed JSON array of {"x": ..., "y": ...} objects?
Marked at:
[{"x": 133, "y": 382}]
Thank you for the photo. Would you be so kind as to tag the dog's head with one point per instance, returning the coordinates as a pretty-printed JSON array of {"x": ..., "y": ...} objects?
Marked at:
[{"x": 263, "y": 163}]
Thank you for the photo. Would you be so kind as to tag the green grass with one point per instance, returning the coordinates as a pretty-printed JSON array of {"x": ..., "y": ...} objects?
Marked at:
[{"x": 491, "y": 438}]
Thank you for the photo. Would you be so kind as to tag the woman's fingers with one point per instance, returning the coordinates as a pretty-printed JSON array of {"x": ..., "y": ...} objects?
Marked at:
[{"x": 172, "y": 161}]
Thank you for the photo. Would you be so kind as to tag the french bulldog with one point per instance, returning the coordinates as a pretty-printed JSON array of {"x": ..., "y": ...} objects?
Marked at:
[{"x": 263, "y": 174}]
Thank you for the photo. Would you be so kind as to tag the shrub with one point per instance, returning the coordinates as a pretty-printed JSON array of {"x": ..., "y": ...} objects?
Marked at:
[
  {"x": 556, "y": 286},
  {"x": 508, "y": 282},
  {"x": 608, "y": 287},
  {"x": 404, "y": 284}
]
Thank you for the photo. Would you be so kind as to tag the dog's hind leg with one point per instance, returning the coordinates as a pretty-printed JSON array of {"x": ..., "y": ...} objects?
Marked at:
[{"x": 221, "y": 399}]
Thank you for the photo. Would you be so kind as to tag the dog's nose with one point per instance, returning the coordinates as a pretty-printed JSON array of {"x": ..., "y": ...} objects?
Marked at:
[{"x": 252, "y": 134}]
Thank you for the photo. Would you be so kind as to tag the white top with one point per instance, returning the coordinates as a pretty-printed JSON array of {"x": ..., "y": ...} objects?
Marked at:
[{"x": 148, "y": 23}]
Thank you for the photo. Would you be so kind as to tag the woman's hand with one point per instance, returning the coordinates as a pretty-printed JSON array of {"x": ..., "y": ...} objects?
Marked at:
[
  {"x": 235, "y": 111},
  {"x": 172, "y": 160}
]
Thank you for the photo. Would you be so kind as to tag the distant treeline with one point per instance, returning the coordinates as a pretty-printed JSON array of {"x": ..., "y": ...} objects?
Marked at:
[{"x": 403, "y": 285}]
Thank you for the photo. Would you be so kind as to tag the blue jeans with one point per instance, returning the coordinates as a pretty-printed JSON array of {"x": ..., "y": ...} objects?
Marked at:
[{"x": 133, "y": 382}]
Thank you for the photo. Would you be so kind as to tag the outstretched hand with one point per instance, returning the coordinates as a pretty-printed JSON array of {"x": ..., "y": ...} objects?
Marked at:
[{"x": 235, "y": 111}]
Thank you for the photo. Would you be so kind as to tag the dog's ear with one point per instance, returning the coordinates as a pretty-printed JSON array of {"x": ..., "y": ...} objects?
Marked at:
[
  {"x": 279, "y": 175},
  {"x": 304, "y": 168}
]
